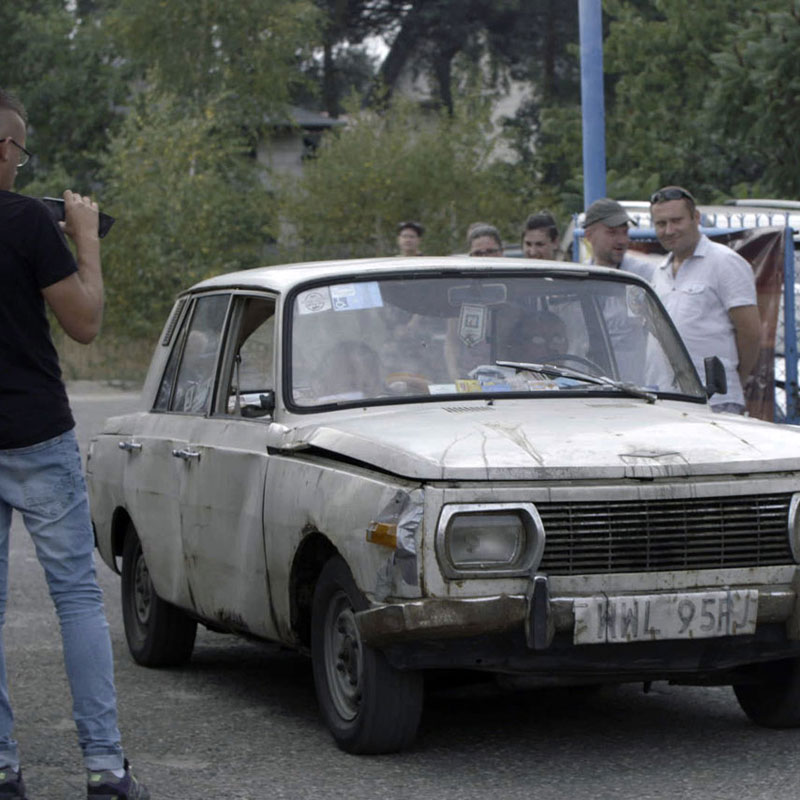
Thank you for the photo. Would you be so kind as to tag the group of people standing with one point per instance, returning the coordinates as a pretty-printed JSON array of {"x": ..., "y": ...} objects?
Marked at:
[{"x": 708, "y": 289}]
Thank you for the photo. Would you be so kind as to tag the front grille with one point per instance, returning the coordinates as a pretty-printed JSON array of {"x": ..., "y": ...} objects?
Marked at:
[{"x": 652, "y": 535}]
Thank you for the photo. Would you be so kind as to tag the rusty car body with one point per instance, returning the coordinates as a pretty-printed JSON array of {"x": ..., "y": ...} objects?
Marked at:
[{"x": 401, "y": 465}]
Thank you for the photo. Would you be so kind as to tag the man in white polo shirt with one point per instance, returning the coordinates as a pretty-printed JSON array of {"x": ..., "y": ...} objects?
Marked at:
[{"x": 710, "y": 293}]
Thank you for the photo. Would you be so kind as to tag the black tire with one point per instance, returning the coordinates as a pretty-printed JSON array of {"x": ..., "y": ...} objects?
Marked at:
[
  {"x": 773, "y": 699},
  {"x": 158, "y": 633},
  {"x": 368, "y": 705}
]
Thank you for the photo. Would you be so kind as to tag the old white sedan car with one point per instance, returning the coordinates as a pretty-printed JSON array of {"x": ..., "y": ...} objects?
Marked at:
[{"x": 403, "y": 465}]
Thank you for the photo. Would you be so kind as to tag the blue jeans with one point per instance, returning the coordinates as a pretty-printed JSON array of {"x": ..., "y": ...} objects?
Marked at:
[{"x": 45, "y": 483}]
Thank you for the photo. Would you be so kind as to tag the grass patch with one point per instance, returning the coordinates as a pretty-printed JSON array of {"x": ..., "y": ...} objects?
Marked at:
[{"x": 117, "y": 361}]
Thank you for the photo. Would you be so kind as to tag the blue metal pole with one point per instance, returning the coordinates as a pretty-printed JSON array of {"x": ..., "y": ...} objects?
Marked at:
[{"x": 590, "y": 18}]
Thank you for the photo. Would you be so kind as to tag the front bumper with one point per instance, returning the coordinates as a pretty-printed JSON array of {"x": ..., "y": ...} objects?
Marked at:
[
  {"x": 539, "y": 615},
  {"x": 532, "y": 635}
]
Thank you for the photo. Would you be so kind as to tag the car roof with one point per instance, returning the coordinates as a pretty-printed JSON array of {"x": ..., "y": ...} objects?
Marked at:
[
  {"x": 284, "y": 277},
  {"x": 765, "y": 202}
]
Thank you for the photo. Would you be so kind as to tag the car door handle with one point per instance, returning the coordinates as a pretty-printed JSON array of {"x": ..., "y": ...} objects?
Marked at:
[
  {"x": 129, "y": 446},
  {"x": 186, "y": 455}
]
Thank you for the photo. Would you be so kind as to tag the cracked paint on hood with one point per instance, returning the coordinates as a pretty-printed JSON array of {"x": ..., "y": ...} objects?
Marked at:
[{"x": 557, "y": 438}]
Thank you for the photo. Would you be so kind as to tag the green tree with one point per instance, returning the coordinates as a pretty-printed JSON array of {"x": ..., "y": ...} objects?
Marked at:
[
  {"x": 248, "y": 52},
  {"x": 754, "y": 101},
  {"x": 181, "y": 174},
  {"x": 661, "y": 73},
  {"x": 189, "y": 204},
  {"x": 344, "y": 65},
  {"x": 403, "y": 163},
  {"x": 63, "y": 68}
]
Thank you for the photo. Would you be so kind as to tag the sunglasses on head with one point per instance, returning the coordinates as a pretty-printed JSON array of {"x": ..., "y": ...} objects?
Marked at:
[{"x": 671, "y": 193}]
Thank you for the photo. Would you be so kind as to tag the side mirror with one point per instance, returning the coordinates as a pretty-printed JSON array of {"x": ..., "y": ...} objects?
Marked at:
[{"x": 716, "y": 379}]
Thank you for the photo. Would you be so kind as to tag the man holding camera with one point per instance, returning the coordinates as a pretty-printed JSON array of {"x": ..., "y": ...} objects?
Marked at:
[{"x": 41, "y": 475}]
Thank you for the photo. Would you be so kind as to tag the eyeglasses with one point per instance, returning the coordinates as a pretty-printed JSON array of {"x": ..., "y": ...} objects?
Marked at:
[
  {"x": 25, "y": 155},
  {"x": 493, "y": 251},
  {"x": 671, "y": 193}
]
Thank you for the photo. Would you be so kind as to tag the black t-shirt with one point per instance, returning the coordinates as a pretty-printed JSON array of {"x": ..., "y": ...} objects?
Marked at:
[{"x": 33, "y": 255}]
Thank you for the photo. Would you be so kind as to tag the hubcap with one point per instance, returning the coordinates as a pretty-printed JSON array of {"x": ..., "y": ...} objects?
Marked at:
[
  {"x": 343, "y": 657},
  {"x": 142, "y": 589}
]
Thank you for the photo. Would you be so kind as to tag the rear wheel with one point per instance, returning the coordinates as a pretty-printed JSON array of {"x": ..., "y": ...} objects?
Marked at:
[
  {"x": 368, "y": 705},
  {"x": 773, "y": 699},
  {"x": 158, "y": 633}
]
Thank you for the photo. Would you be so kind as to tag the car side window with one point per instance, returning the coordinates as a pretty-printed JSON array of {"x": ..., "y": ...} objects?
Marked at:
[
  {"x": 195, "y": 350},
  {"x": 168, "y": 379},
  {"x": 251, "y": 379}
]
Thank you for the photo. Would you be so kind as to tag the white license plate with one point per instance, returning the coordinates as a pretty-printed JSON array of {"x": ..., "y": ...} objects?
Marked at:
[{"x": 616, "y": 619}]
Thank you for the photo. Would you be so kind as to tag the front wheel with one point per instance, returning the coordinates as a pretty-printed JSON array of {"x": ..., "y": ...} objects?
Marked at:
[
  {"x": 773, "y": 699},
  {"x": 158, "y": 633},
  {"x": 368, "y": 705}
]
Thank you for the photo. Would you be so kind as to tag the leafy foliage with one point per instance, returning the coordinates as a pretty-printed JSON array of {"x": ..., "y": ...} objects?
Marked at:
[
  {"x": 754, "y": 100},
  {"x": 64, "y": 70},
  {"x": 664, "y": 122},
  {"x": 158, "y": 107},
  {"x": 188, "y": 203},
  {"x": 181, "y": 175},
  {"x": 247, "y": 51},
  {"x": 400, "y": 164}
]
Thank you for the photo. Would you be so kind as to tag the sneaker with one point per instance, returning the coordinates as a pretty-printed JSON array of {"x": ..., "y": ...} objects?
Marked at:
[
  {"x": 107, "y": 786},
  {"x": 11, "y": 784}
]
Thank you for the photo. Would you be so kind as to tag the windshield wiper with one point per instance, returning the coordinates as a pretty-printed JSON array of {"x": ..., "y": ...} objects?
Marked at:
[{"x": 554, "y": 371}]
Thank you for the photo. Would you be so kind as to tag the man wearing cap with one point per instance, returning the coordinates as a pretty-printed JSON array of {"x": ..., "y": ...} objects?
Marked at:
[
  {"x": 710, "y": 293},
  {"x": 606, "y": 230},
  {"x": 409, "y": 238}
]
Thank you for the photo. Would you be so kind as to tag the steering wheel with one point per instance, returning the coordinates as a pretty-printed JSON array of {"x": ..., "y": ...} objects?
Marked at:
[
  {"x": 559, "y": 358},
  {"x": 413, "y": 383}
]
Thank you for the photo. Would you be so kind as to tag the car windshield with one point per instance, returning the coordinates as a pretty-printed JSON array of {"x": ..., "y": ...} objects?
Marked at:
[{"x": 366, "y": 341}]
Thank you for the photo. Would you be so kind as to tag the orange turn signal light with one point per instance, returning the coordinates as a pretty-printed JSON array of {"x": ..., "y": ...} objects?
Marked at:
[{"x": 383, "y": 533}]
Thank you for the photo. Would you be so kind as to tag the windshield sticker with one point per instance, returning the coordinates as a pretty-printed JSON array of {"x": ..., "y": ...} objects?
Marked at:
[
  {"x": 355, "y": 296},
  {"x": 543, "y": 386},
  {"x": 314, "y": 301},
  {"x": 494, "y": 386},
  {"x": 472, "y": 324}
]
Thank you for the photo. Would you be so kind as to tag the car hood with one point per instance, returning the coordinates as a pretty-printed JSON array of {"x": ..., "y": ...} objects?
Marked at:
[{"x": 559, "y": 438}]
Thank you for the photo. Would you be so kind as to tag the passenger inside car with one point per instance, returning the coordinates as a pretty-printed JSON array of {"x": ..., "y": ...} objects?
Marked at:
[
  {"x": 528, "y": 336},
  {"x": 349, "y": 370},
  {"x": 544, "y": 334}
]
